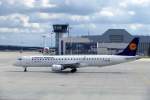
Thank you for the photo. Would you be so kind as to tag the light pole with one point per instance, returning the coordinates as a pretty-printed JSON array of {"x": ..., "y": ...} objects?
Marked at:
[
  {"x": 44, "y": 40},
  {"x": 51, "y": 39},
  {"x": 69, "y": 36}
]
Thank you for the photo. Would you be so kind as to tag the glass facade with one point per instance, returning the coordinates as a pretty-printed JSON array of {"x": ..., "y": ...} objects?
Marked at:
[
  {"x": 81, "y": 48},
  {"x": 116, "y": 38}
]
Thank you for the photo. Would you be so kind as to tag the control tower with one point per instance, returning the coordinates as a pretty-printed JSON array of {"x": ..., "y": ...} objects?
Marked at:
[{"x": 59, "y": 30}]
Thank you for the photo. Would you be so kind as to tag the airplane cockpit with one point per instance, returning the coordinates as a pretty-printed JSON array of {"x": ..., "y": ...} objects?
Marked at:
[{"x": 19, "y": 59}]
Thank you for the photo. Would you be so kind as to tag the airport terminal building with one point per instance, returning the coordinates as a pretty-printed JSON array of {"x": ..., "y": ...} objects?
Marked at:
[{"x": 110, "y": 42}]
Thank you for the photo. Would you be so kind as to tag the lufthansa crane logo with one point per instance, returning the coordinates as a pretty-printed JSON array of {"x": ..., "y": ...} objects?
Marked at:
[{"x": 133, "y": 46}]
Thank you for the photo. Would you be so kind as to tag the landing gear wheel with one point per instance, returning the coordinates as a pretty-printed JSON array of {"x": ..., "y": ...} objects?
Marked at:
[
  {"x": 73, "y": 70},
  {"x": 25, "y": 69}
]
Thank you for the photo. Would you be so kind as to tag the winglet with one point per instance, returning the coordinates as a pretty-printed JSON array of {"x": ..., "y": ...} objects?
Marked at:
[{"x": 131, "y": 49}]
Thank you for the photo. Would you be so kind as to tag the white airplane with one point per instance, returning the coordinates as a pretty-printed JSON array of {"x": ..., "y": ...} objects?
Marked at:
[
  {"x": 59, "y": 63},
  {"x": 45, "y": 50}
]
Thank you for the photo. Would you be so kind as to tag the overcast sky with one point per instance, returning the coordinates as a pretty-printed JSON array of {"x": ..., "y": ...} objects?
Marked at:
[{"x": 22, "y": 22}]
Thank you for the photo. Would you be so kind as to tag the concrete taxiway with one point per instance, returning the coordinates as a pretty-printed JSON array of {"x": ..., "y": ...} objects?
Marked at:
[{"x": 127, "y": 81}]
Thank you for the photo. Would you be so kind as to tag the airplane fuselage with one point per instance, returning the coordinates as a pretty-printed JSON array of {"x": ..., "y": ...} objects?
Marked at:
[{"x": 82, "y": 60}]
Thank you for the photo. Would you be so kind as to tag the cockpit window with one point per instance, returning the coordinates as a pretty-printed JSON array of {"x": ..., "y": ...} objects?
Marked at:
[{"x": 19, "y": 58}]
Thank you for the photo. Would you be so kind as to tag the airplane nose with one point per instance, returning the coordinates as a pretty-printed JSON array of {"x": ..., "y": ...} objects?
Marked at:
[
  {"x": 15, "y": 64},
  {"x": 18, "y": 62}
]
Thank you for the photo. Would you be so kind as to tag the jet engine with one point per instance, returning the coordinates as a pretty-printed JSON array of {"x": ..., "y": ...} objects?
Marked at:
[{"x": 57, "y": 68}]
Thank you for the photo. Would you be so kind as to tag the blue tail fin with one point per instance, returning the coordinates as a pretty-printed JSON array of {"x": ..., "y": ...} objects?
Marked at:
[{"x": 131, "y": 49}]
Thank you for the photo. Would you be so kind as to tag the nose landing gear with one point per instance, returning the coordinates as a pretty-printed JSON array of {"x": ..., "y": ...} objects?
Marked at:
[{"x": 25, "y": 69}]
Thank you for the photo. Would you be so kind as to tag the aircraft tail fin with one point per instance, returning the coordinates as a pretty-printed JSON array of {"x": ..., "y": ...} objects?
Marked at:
[{"x": 131, "y": 49}]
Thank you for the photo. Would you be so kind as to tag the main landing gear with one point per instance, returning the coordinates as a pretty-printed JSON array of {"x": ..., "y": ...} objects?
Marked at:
[{"x": 73, "y": 70}]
